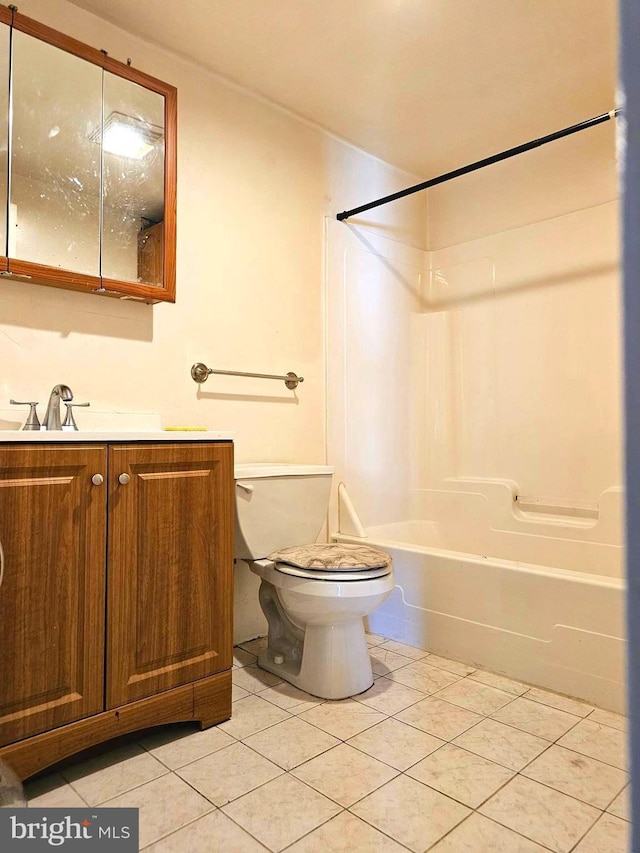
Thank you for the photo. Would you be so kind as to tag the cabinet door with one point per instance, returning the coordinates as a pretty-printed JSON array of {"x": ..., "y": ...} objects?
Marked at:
[
  {"x": 52, "y": 530},
  {"x": 170, "y": 566}
]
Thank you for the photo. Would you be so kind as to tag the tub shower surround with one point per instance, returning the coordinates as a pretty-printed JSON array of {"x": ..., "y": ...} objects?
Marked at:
[{"x": 475, "y": 423}]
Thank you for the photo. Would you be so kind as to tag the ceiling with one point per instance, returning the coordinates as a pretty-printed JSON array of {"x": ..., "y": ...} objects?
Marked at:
[{"x": 427, "y": 85}]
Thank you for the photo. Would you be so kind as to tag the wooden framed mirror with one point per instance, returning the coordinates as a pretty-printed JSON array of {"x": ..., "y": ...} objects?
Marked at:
[{"x": 88, "y": 180}]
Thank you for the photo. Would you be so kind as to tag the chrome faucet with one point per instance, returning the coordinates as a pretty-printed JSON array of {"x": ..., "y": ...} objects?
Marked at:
[{"x": 52, "y": 415}]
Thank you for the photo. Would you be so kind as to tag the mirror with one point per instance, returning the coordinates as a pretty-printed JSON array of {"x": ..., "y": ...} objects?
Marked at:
[
  {"x": 133, "y": 178},
  {"x": 87, "y": 167},
  {"x": 4, "y": 137},
  {"x": 55, "y": 161}
]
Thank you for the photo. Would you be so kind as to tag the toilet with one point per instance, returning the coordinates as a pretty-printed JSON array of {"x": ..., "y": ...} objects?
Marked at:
[{"x": 314, "y": 596}]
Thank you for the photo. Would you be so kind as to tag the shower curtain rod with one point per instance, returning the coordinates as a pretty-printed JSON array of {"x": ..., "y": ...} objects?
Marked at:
[{"x": 480, "y": 164}]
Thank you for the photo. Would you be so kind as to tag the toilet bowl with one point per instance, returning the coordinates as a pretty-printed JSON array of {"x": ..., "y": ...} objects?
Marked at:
[{"x": 314, "y": 611}]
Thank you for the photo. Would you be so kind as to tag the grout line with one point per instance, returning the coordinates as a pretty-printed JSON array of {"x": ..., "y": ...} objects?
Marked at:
[
  {"x": 257, "y": 788},
  {"x": 596, "y": 821},
  {"x": 378, "y": 828},
  {"x": 515, "y": 832},
  {"x": 244, "y": 829},
  {"x": 622, "y": 790},
  {"x": 584, "y": 755},
  {"x": 295, "y": 767},
  {"x": 386, "y": 763}
]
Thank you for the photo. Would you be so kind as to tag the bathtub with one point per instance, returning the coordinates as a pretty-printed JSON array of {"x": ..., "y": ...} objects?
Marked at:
[{"x": 552, "y": 626}]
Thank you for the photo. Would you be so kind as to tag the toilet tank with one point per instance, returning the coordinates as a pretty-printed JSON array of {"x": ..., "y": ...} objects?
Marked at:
[{"x": 279, "y": 505}]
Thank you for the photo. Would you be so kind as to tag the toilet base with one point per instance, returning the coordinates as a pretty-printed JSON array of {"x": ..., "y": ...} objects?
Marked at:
[{"x": 335, "y": 662}]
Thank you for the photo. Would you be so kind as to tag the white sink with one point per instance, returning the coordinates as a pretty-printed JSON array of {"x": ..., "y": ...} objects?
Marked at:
[{"x": 38, "y": 436}]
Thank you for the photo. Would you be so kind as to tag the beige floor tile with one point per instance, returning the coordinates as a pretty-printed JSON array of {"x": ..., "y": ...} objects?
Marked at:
[
  {"x": 459, "y": 774},
  {"x": 52, "y": 792},
  {"x": 501, "y": 682},
  {"x": 291, "y": 742},
  {"x": 608, "y": 718},
  {"x": 475, "y": 696},
  {"x": 286, "y": 696},
  {"x": 562, "y": 703},
  {"x": 541, "y": 814},
  {"x": 412, "y": 652},
  {"x": 439, "y": 718},
  {"x": 410, "y": 813},
  {"x": 229, "y": 773},
  {"x": 111, "y": 773},
  {"x": 251, "y": 715},
  {"x": 609, "y": 835},
  {"x": 450, "y": 665},
  {"x": 281, "y": 812},
  {"x": 166, "y": 805},
  {"x": 346, "y": 833},
  {"x": 241, "y": 657},
  {"x": 578, "y": 776},
  {"x": 395, "y": 743},
  {"x": 621, "y": 806},
  {"x": 384, "y": 661},
  {"x": 537, "y": 719},
  {"x": 420, "y": 676},
  {"x": 238, "y": 692},
  {"x": 344, "y": 774},
  {"x": 375, "y": 639},
  {"x": 600, "y": 742},
  {"x": 176, "y": 746},
  {"x": 389, "y": 696},
  {"x": 209, "y": 834},
  {"x": 253, "y": 679},
  {"x": 254, "y": 646},
  {"x": 343, "y": 719},
  {"x": 478, "y": 834},
  {"x": 503, "y": 744}
]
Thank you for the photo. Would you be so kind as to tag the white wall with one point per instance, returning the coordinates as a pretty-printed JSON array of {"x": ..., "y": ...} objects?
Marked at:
[
  {"x": 375, "y": 383},
  {"x": 254, "y": 185}
]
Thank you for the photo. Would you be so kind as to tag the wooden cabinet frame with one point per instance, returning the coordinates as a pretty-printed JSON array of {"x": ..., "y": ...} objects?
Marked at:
[
  {"x": 68, "y": 279},
  {"x": 166, "y": 601}
]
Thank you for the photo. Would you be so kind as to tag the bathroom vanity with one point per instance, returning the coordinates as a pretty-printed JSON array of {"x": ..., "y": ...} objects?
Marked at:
[{"x": 116, "y": 596}]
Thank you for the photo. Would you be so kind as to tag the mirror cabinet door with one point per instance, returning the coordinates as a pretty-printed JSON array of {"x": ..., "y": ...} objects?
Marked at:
[
  {"x": 133, "y": 197},
  {"x": 55, "y": 157},
  {"x": 5, "y": 42}
]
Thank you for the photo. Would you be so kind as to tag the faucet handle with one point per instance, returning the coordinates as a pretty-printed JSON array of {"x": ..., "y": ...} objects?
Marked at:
[
  {"x": 32, "y": 422},
  {"x": 69, "y": 424}
]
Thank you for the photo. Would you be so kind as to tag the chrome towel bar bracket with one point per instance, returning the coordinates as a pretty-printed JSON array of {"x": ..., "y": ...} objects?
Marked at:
[{"x": 200, "y": 373}]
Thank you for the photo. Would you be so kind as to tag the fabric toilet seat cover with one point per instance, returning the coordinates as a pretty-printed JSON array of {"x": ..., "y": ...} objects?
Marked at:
[{"x": 332, "y": 557}]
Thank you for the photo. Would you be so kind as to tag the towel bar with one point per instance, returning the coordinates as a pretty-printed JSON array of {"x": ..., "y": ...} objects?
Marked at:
[{"x": 200, "y": 373}]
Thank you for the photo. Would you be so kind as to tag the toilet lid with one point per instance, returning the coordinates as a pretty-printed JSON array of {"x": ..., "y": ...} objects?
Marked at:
[
  {"x": 332, "y": 557},
  {"x": 333, "y": 574}
]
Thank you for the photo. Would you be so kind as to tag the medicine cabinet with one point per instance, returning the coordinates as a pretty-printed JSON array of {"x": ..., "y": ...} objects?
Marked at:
[{"x": 87, "y": 167}]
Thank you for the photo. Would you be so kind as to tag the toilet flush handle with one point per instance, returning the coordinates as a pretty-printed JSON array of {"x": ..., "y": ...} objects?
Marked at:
[{"x": 246, "y": 486}]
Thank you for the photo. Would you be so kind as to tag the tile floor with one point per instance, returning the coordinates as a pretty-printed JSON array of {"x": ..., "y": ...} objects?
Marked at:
[{"x": 435, "y": 756}]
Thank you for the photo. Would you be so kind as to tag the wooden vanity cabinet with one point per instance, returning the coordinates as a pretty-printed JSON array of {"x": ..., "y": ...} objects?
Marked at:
[{"x": 116, "y": 601}]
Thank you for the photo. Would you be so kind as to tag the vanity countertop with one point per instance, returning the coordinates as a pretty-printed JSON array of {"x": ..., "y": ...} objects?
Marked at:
[{"x": 85, "y": 436}]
